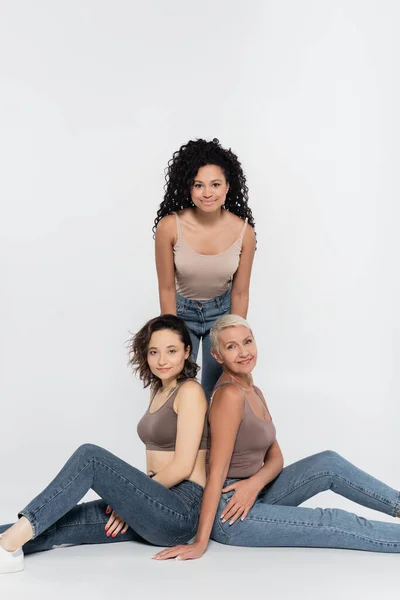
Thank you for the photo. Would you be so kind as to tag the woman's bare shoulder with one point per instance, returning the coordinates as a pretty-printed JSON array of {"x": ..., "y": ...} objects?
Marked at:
[
  {"x": 166, "y": 229},
  {"x": 191, "y": 385},
  {"x": 167, "y": 223},
  {"x": 191, "y": 388},
  {"x": 233, "y": 221},
  {"x": 227, "y": 405},
  {"x": 228, "y": 393}
]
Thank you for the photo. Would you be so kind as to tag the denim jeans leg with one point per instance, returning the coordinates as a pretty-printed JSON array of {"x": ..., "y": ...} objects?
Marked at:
[
  {"x": 158, "y": 514},
  {"x": 269, "y": 525},
  {"x": 185, "y": 311},
  {"x": 276, "y": 519},
  {"x": 329, "y": 471},
  {"x": 84, "y": 524},
  {"x": 199, "y": 316},
  {"x": 211, "y": 370},
  {"x": 195, "y": 339}
]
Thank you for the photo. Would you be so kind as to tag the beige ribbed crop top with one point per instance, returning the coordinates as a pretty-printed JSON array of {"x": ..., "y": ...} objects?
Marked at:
[
  {"x": 253, "y": 439},
  {"x": 158, "y": 429},
  {"x": 204, "y": 276}
]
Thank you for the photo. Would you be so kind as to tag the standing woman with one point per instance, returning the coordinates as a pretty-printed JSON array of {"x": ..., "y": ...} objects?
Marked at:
[{"x": 205, "y": 243}]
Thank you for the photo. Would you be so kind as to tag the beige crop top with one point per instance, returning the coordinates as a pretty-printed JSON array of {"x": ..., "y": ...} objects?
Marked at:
[
  {"x": 253, "y": 439},
  {"x": 204, "y": 276},
  {"x": 157, "y": 429}
]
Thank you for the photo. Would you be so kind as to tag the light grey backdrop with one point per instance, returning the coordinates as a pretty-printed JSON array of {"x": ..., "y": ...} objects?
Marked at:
[{"x": 94, "y": 98}]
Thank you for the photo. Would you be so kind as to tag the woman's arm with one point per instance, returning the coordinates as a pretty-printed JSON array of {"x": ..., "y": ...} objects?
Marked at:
[
  {"x": 273, "y": 465},
  {"x": 246, "y": 490},
  {"x": 191, "y": 406},
  {"x": 225, "y": 417},
  {"x": 164, "y": 238},
  {"x": 241, "y": 279}
]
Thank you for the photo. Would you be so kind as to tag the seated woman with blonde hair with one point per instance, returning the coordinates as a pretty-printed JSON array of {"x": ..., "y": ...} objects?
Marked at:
[{"x": 259, "y": 505}]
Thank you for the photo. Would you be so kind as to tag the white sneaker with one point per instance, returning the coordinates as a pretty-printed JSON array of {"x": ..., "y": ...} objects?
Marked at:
[{"x": 11, "y": 562}]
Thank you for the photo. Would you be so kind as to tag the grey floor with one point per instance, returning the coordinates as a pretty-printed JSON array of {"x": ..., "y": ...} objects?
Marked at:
[{"x": 127, "y": 571}]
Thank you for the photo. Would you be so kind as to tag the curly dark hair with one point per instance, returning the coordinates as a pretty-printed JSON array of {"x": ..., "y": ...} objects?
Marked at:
[
  {"x": 138, "y": 346},
  {"x": 182, "y": 169}
]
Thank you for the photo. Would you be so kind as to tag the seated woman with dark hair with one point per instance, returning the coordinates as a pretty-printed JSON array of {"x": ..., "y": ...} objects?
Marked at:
[
  {"x": 162, "y": 506},
  {"x": 250, "y": 499}
]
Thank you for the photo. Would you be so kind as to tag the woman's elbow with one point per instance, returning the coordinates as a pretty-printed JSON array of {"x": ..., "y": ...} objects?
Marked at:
[
  {"x": 184, "y": 469},
  {"x": 239, "y": 297},
  {"x": 280, "y": 462},
  {"x": 167, "y": 290},
  {"x": 216, "y": 474}
]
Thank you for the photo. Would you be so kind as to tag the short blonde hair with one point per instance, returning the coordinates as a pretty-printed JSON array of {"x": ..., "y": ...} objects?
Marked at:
[{"x": 223, "y": 323}]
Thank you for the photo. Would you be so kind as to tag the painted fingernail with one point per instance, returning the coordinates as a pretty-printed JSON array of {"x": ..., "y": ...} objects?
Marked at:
[
  {"x": 114, "y": 534},
  {"x": 108, "y": 534},
  {"x": 107, "y": 527}
]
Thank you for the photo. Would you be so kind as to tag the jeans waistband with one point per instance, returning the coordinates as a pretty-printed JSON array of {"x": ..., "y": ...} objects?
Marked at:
[
  {"x": 230, "y": 480},
  {"x": 193, "y": 492},
  {"x": 190, "y": 489},
  {"x": 217, "y": 301}
]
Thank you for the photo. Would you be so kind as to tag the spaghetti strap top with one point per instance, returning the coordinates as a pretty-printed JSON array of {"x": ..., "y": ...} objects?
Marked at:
[
  {"x": 253, "y": 439},
  {"x": 204, "y": 276},
  {"x": 158, "y": 429}
]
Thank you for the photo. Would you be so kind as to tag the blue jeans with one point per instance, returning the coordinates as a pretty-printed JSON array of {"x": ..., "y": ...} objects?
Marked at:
[
  {"x": 276, "y": 519},
  {"x": 199, "y": 317},
  {"x": 155, "y": 514}
]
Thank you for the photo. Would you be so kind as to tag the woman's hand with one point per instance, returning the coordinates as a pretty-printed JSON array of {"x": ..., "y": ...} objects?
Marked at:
[
  {"x": 241, "y": 501},
  {"x": 115, "y": 524},
  {"x": 184, "y": 552}
]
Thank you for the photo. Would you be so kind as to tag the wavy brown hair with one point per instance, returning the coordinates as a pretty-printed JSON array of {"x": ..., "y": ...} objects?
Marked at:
[{"x": 138, "y": 347}]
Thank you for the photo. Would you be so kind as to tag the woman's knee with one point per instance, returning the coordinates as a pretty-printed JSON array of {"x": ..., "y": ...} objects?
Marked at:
[
  {"x": 87, "y": 451},
  {"x": 330, "y": 460}
]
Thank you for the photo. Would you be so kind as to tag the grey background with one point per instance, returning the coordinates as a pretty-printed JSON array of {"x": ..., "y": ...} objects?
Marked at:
[{"x": 94, "y": 98}]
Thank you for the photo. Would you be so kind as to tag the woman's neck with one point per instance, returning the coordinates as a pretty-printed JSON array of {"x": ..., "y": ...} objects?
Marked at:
[
  {"x": 207, "y": 219},
  {"x": 168, "y": 384},
  {"x": 243, "y": 381}
]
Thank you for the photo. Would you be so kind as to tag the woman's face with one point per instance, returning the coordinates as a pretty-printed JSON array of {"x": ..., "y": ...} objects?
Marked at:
[
  {"x": 237, "y": 350},
  {"x": 166, "y": 355},
  {"x": 209, "y": 188}
]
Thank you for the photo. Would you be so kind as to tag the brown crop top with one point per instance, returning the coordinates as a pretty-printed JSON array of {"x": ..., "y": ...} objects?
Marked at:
[
  {"x": 158, "y": 429},
  {"x": 253, "y": 439}
]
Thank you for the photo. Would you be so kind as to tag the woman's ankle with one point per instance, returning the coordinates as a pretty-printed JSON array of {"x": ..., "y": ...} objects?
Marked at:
[
  {"x": 7, "y": 544},
  {"x": 17, "y": 535}
]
